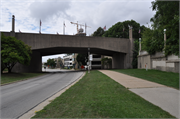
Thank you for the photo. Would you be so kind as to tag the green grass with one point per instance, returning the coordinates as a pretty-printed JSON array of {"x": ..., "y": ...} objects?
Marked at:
[
  {"x": 166, "y": 78},
  {"x": 5, "y": 69},
  {"x": 98, "y": 96},
  {"x": 12, "y": 77}
]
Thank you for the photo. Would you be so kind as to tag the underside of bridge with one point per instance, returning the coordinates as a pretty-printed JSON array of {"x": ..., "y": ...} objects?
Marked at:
[{"x": 119, "y": 60}]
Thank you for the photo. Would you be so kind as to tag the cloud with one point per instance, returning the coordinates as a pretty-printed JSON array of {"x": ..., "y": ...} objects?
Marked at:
[
  {"x": 95, "y": 13},
  {"x": 48, "y": 10},
  {"x": 99, "y": 14},
  {"x": 45, "y": 58}
]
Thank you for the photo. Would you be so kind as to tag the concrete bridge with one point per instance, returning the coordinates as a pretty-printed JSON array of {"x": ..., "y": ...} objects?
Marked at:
[{"x": 49, "y": 44}]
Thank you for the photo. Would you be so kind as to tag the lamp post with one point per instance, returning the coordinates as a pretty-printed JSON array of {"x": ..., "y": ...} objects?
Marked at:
[
  {"x": 164, "y": 38},
  {"x": 139, "y": 45}
]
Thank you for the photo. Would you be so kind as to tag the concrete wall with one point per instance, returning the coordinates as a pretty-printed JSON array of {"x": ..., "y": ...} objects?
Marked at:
[
  {"x": 42, "y": 41},
  {"x": 159, "y": 61},
  {"x": 35, "y": 64},
  {"x": 118, "y": 61},
  {"x": 144, "y": 60}
]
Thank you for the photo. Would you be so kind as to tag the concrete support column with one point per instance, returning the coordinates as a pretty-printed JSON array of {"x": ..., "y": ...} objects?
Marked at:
[
  {"x": 102, "y": 66},
  {"x": 131, "y": 48},
  {"x": 35, "y": 64},
  {"x": 118, "y": 61}
]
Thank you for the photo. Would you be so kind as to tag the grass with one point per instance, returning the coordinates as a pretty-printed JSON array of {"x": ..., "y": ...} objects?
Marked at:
[
  {"x": 98, "y": 96},
  {"x": 166, "y": 78},
  {"x": 5, "y": 69},
  {"x": 13, "y": 77}
]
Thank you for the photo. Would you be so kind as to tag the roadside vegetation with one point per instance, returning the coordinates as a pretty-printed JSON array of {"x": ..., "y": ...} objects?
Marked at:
[
  {"x": 166, "y": 78},
  {"x": 98, "y": 96},
  {"x": 13, "y": 77},
  {"x": 13, "y": 51}
]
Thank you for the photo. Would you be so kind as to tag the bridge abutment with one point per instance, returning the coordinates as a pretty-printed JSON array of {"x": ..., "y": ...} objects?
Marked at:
[
  {"x": 118, "y": 60},
  {"x": 35, "y": 64}
]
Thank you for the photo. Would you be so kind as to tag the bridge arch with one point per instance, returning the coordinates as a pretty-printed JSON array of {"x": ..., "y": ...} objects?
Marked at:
[{"x": 48, "y": 44}]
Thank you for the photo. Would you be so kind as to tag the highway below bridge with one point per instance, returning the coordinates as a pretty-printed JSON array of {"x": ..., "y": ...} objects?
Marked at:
[{"x": 18, "y": 98}]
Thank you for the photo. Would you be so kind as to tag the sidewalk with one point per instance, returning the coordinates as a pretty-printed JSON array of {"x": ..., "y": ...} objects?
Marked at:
[{"x": 162, "y": 96}]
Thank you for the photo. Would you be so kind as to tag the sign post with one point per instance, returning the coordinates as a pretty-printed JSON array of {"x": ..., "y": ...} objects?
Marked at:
[{"x": 88, "y": 60}]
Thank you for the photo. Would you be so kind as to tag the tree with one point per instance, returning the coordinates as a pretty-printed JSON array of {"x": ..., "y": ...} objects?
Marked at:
[
  {"x": 135, "y": 53},
  {"x": 99, "y": 32},
  {"x": 13, "y": 51},
  {"x": 82, "y": 59},
  {"x": 116, "y": 30},
  {"x": 51, "y": 62},
  {"x": 166, "y": 17},
  {"x": 106, "y": 61}
]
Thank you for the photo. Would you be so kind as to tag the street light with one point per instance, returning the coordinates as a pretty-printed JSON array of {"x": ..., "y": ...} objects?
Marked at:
[
  {"x": 164, "y": 38},
  {"x": 139, "y": 45},
  {"x": 164, "y": 31}
]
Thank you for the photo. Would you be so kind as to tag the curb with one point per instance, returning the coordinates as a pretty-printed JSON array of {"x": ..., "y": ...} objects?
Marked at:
[{"x": 40, "y": 106}]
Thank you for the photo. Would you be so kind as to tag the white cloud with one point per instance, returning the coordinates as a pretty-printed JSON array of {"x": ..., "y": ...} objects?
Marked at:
[
  {"x": 45, "y": 58},
  {"x": 48, "y": 10},
  {"x": 95, "y": 13}
]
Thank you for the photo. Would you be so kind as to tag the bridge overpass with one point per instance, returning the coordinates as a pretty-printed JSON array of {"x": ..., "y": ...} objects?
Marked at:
[{"x": 49, "y": 44}]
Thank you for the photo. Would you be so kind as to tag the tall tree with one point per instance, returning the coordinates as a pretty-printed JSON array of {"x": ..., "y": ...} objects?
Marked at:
[
  {"x": 13, "y": 51},
  {"x": 99, "y": 32},
  {"x": 82, "y": 59},
  {"x": 121, "y": 30},
  {"x": 166, "y": 17},
  {"x": 51, "y": 62}
]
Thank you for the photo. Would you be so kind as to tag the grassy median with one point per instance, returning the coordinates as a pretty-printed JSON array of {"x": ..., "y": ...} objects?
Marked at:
[
  {"x": 166, "y": 78},
  {"x": 98, "y": 96},
  {"x": 13, "y": 77}
]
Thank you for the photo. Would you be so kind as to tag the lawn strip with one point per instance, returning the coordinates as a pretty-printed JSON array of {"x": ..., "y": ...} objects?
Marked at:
[
  {"x": 166, "y": 78},
  {"x": 7, "y": 78},
  {"x": 98, "y": 96}
]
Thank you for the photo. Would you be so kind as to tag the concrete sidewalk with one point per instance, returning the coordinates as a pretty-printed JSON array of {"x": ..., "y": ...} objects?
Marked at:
[{"x": 162, "y": 96}]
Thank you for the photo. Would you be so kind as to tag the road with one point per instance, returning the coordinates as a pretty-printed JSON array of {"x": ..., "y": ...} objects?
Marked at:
[{"x": 18, "y": 98}]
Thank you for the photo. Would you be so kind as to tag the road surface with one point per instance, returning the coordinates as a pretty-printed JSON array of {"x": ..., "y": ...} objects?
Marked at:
[{"x": 18, "y": 98}]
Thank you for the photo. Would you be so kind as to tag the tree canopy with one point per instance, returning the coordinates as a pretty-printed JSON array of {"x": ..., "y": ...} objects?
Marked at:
[
  {"x": 82, "y": 59},
  {"x": 166, "y": 17},
  {"x": 13, "y": 51},
  {"x": 99, "y": 32},
  {"x": 117, "y": 31},
  {"x": 121, "y": 30},
  {"x": 51, "y": 62}
]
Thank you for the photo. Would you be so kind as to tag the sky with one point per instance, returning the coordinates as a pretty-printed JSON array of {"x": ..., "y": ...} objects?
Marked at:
[{"x": 54, "y": 13}]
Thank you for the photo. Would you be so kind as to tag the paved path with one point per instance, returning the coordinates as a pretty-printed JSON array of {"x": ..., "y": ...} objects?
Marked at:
[{"x": 165, "y": 97}]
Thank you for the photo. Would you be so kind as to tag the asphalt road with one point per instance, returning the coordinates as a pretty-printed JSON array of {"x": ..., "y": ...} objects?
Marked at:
[{"x": 18, "y": 98}]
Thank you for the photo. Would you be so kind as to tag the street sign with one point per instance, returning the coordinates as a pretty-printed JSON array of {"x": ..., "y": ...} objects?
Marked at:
[{"x": 90, "y": 57}]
